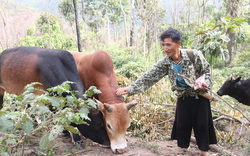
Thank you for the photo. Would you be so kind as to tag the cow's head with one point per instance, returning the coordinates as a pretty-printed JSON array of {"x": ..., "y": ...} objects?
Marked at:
[
  {"x": 116, "y": 119},
  {"x": 96, "y": 130},
  {"x": 229, "y": 86}
]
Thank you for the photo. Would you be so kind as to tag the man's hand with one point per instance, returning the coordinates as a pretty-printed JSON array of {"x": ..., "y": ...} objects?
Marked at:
[
  {"x": 200, "y": 83},
  {"x": 204, "y": 86},
  {"x": 121, "y": 91}
]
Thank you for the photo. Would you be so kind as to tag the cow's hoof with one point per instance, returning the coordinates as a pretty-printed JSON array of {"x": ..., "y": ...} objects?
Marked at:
[
  {"x": 65, "y": 134},
  {"x": 80, "y": 145}
]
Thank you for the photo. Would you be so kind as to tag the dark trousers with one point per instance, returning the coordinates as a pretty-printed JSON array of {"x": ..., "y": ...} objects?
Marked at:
[{"x": 193, "y": 113}]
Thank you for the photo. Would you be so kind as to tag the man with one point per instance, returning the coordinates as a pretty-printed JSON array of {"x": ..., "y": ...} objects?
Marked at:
[{"x": 192, "y": 110}]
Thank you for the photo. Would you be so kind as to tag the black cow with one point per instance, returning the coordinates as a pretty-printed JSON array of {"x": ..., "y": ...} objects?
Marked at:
[
  {"x": 236, "y": 88},
  {"x": 22, "y": 65}
]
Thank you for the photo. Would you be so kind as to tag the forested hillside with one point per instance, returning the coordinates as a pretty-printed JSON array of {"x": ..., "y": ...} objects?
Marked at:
[
  {"x": 16, "y": 18},
  {"x": 129, "y": 31},
  {"x": 43, "y": 5}
]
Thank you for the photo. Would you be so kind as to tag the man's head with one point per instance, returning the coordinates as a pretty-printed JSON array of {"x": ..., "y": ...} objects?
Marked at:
[
  {"x": 171, "y": 33},
  {"x": 171, "y": 41}
]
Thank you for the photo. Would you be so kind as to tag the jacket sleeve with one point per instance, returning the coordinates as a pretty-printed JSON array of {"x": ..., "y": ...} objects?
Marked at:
[{"x": 148, "y": 79}]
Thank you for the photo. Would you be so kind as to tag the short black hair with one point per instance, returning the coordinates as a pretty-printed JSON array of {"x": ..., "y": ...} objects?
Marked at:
[{"x": 171, "y": 33}]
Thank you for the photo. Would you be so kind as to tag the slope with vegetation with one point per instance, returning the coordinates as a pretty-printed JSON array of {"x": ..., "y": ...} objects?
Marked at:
[{"x": 129, "y": 31}]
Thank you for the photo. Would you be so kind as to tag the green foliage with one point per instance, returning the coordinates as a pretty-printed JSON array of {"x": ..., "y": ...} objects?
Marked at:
[
  {"x": 66, "y": 8},
  {"x": 211, "y": 41},
  {"x": 43, "y": 21},
  {"x": 97, "y": 11},
  {"x": 50, "y": 112},
  {"x": 243, "y": 59},
  {"x": 59, "y": 40},
  {"x": 185, "y": 39},
  {"x": 246, "y": 32},
  {"x": 129, "y": 65},
  {"x": 234, "y": 26},
  {"x": 132, "y": 69}
]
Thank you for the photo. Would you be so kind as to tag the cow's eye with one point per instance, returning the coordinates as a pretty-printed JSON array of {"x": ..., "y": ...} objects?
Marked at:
[
  {"x": 109, "y": 127},
  {"x": 99, "y": 123}
]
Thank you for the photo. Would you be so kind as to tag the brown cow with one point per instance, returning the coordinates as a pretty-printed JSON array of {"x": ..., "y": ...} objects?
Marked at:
[
  {"x": 23, "y": 65},
  {"x": 97, "y": 70}
]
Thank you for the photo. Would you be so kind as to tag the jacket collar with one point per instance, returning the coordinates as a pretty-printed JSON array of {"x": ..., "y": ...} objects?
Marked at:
[{"x": 184, "y": 57}]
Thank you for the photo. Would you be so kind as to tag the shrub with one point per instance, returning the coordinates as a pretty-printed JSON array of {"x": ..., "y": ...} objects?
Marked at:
[
  {"x": 27, "y": 113},
  {"x": 243, "y": 59}
]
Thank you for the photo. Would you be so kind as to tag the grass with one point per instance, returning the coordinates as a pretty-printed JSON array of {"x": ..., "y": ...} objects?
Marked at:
[{"x": 152, "y": 146}]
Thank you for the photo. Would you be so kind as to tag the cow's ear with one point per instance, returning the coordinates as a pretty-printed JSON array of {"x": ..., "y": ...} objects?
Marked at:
[
  {"x": 99, "y": 105},
  {"x": 237, "y": 79}
]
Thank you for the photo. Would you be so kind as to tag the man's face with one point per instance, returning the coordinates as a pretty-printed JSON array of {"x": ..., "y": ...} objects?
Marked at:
[{"x": 170, "y": 47}]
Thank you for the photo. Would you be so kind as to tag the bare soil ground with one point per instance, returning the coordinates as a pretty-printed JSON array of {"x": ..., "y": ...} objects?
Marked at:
[{"x": 136, "y": 147}]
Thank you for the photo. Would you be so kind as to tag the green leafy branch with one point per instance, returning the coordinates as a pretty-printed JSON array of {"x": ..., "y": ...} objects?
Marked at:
[{"x": 51, "y": 112}]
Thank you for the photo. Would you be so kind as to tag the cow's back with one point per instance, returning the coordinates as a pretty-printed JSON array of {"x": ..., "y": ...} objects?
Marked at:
[
  {"x": 18, "y": 68},
  {"x": 96, "y": 69},
  {"x": 23, "y": 65}
]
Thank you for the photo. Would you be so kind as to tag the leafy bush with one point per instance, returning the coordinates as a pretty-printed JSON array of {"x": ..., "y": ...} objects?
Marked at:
[
  {"x": 235, "y": 71},
  {"x": 243, "y": 59},
  {"x": 51, "y": 112},
  {"x": 132, "y": 69},
  {"x": 58, "y": 39}
]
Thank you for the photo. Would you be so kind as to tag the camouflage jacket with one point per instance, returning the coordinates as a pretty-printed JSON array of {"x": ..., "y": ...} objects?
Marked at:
[{"x": 165, "y": 67}]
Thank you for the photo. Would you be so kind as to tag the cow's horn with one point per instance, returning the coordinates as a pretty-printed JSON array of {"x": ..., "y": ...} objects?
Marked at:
[
  {"x": 97, "y": 109},
  {"x": 94, "y": 111},
  {"x": 231, "y": 77},
  {"x": 108, "y": 107},
  {"x": 131, "y": 104}
]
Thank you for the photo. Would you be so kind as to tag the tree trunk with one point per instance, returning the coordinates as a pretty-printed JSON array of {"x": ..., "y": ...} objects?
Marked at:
[
  {"x": 230, "y": 48},
  {"x": 199, "y": 10},
  {"x": 83, "y": 14},
  {"x": 125, "y": 23},
  {"x": 234, "y": 13},
  {"x": 107, "y": 31},
  {"x": 5, "y": 23},
  {"x": 77, "y": 28},
  {"x": 48, "y": 19},
  {"x": 174, "y": 16},
  {"x": 149, "y": 41},
  {"x": 114, "y": 28},
  {"x": 132, "y": 24}
]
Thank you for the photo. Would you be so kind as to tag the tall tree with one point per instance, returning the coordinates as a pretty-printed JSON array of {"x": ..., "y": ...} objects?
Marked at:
[
  {"x": 5, "y": 23},
  {"x": 66, "y": 9},
  {"x": 100, "y": 14},
  {"x": 150, "y": 15},
  {"x": 83, "y": 14},
  {"x": 232, "y": 7},
  {"x": 47, "y": 6},
  {"x": 77, "y": 28},
  {"x": 132, "y": 23},
  {"x": 125, "y": 23}
]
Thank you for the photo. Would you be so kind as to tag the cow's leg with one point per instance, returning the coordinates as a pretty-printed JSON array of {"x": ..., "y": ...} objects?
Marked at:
[
  {"x": 76, "y": 139},
  {"x": 1, "y": 97}
]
